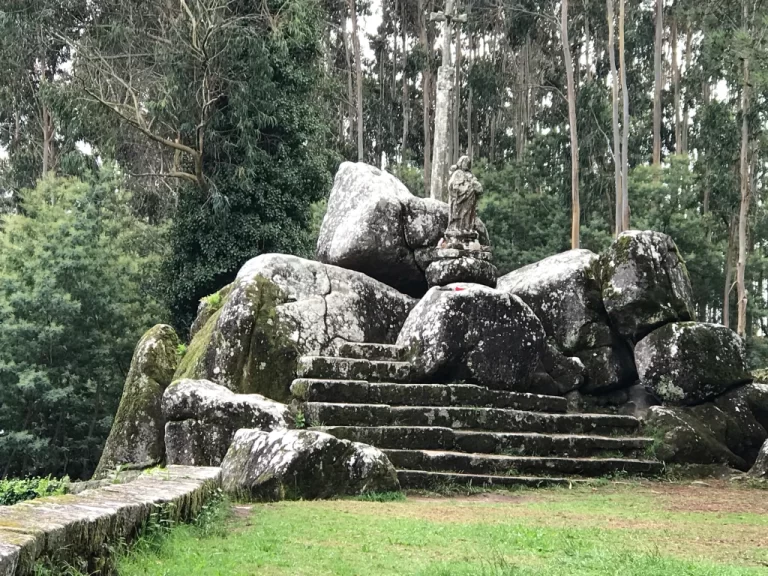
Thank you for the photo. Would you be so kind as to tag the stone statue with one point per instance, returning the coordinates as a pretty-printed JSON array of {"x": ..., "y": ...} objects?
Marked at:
[{"x": 464, "y": 191}]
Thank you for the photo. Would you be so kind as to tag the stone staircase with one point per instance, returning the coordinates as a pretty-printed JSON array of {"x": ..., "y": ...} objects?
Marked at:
[{"x": 461, "y": 433}]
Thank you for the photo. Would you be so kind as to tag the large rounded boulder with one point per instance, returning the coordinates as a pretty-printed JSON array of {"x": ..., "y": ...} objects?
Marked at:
[
  {"x": 136, "y": 438},
  {"x": 474, "y": 333},
  {"x": 202, "y": 418},
  {"x": 644, "y": 283},
  {"x": 303, "y": 464},
  {"x": 690, "y": 362},
  {"x": 374, "y": 225},
  {"x": 281, "y": 307},
  {"x": 565, "y": 294}
]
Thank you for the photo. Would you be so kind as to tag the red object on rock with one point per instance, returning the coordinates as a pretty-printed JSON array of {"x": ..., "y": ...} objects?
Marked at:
[{"x": 459, "y": 288}]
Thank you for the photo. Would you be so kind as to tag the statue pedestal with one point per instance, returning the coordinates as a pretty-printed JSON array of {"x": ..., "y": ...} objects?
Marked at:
[{"x": 451, "y": 265}]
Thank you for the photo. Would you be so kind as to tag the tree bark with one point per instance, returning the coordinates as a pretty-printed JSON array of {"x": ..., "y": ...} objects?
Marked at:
[
  {"x": 744, "y": 206},
  {"x": 676, "y": 84},
  {"x": 625, "y": 122},
  {"x": 688, "y": 38},
  {"x": 657, "y": 83},
  {"x": 732, "y": 225},
  {"x": 457, "y": 98},
  {"x": 358, "y": 80},
  {"x": 426, "y": 90},
  {"x": 406, "y": 102},
  {"x": 575, "y": 208},
  {"x": 587, "y": 42},
  {"x": 617, "y": 152},
  {"x": 350, "y": 89}
]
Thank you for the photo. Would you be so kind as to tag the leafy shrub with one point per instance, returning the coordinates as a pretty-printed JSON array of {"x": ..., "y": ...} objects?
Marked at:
[{"x": 13, "y": 491}]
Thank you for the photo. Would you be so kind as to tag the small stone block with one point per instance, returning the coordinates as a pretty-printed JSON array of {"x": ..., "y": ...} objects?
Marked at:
[{"x": 463, "y": 269}]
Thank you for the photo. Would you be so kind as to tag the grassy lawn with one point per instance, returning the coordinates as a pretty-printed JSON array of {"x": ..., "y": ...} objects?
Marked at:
[{"x": 628, "y": 529}]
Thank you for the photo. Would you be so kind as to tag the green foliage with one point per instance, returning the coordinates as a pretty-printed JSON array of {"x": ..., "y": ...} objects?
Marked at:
[
  {"x": 272, "y": 134},
  {"x": 300, "y": 421},
  {"x": 78, "y": 286},
  {"x": 13, "y": 491}
]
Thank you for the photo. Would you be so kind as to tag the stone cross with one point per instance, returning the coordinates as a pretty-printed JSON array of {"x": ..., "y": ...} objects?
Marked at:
[{"x": 443, "y": 140}]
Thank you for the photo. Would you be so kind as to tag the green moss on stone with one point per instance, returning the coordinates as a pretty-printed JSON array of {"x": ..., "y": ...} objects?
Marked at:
[{"x": 191, "y": 365}]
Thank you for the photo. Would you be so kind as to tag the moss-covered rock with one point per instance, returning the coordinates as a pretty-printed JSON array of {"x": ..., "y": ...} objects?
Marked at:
[
  {"x": 294, "y": 464},
  {"x": 730, "y": 430},
  {"x": 202, "y": 418},
  {"x": 136, "y": 438},
  {"x": 760, "y": 467},
  {"x": 474, "y": 333},
  {"x": 644, "y": 283},
  {"x": 690, "y": 362},
  {"x": 564, "y": 293},
  {"x": 281, "y": 307}
]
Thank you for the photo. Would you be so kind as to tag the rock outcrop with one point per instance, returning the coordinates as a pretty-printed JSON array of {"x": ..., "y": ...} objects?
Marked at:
[
  {"x": 645, "y": 283},
  {"x": 136, "y": 437},
  {"x": 690, "y": 362},
  {"x": 474, "y": 333},
  {"x": 760, "y": 467},
  {"x": 202, "y": 418},
  {"x": 564, "y": 293},
  {"x": 376, "y": 226},
  {"x": 281, "y": 307},
  {"x": 730, "y": 430},
  {"x": 293, "y": 464}
]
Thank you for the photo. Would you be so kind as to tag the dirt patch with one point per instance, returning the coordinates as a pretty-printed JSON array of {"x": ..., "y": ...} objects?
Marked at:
[{"x": 715, "y": 496}]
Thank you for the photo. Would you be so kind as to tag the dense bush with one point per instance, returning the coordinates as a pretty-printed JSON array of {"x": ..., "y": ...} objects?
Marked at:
[{"x": 13, "y": 491}]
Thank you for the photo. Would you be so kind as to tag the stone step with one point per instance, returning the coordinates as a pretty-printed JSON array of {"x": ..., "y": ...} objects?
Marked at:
[
  {"x": 499, "y": 465},
  {"x": 535, "y": 444},
  {"x": 508, "y": 443},
  {"x": 394, "y": 394},
  {"x": 335, "y": 368},
  {"x": 468, "y": 418},
  {"x": 426, "y": 480},
  {"x": 368, "y": 351}
]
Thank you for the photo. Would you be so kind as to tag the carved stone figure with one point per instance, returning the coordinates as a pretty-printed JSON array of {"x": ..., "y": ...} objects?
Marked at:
[{"x": 464, "y": 191}]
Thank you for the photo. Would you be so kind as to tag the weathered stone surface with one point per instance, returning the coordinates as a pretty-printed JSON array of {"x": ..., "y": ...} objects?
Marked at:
[
  {"x": 136, "y": 438},
  {"x": 607, "y": 368},
  {"x": 690, "y": 362},
  {"x": 556, "y": 374},
  {"x": 730, "y": 430},
  {"x": 303, "y": 464},
  {"x": 633, "y": 401},
  {"x": 375, "y": 225},
  {"x": 281, "y": 307},
  {"x": 474, "y": 333},
  {"x": 760, "y": 467},
  {"x": 202, "y": 418},
  {"x": 565, "y": 294},
  {"x": 75, "y": 529},
  {"x": 645, "y": 283},
  {"x": 463, "y": 269}
]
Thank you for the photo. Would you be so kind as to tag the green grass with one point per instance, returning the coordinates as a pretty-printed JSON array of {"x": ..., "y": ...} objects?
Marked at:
[{"x": 637, "y": 529}]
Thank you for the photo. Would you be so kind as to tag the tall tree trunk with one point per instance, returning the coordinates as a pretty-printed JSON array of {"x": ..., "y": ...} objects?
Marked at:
[
  {"x": 406, "y": 101},
  {"x": 457, "y": 97},
  {"x": 617, "y": 152},
  {"x": 688, "y": 38},
  {"x": 470, "y": 60},
  {"x": 350, "y": 89},
  {"x": 426, "y": 90},
  {"x": 47, "y": 123},
  {"x": 657, "y": 82},
  {"x": 625, "y": 122},
  {"x": 587, "y": 42},
  {"x": 676, "y": 85},
  {"x": 575, "y": 208},
  {"x": 358, "y": 80},
  {"x": 732, "y": 226},
  {"x": 745, "y": 197}
]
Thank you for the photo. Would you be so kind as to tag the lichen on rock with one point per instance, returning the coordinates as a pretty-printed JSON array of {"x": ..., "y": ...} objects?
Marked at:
[
  {"x": 293, "y": 464},
  {"x": 645, "y": 283},
  {"x": 281, "y": 307},
  {"x": 691, "y": 362},
  {"x": 474, "y": 333},
  {"x": 136, "y": 438}
]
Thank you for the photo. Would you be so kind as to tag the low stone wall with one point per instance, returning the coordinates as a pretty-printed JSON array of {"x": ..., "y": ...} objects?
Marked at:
[{"x": 62, "y": 528}]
